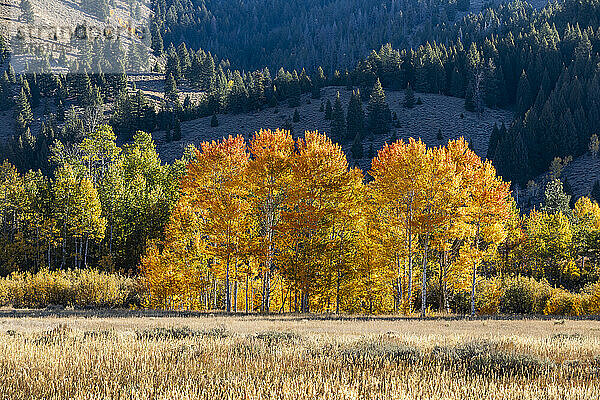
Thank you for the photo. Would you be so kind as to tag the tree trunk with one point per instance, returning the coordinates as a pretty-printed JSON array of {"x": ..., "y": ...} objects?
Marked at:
[
  {"x": 87, "y": 239},
  {"x": 441, "y": 282},
  {"x": 246, "y": 310},
  {"x": 424, "y": 283},
  {"x": 410, "y": 258},
  {"x": 337, "y": 293},
  {"x": 227, "y": 289},
  {"x": 304, "y": 303},
  {"x": 235, "y": 292},
  {"x": 473, "y": 281}
]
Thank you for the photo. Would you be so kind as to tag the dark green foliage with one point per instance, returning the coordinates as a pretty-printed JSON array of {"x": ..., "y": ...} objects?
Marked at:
[
  {"x": 132, "y": 114},
  {"x": 177, "y": 130},
  {"x": 378, "y": 112},
  {"x": 296, "y": 117},
  {"x": 338, "y": 122},
  {"x": 214, "y": 121},
  {"x": 493, "y": 143},
  {"x": 279, "y": 33},
  {"x": 357, "y": 148},
  {"x": 439, "y": 135},
  {"x": 288, "y": 125},
  {"x": 524, "y": 296},
  {"x": 355, "y": 118},
  {"x": 157, "y": 40},
  {"x": 524, "y": 95},
  {"x": 171, "y": 88},
  {"x": 409, "y": 97},
  {"x": 328, "y": 110},
  {"x": 23, "y": 113}
]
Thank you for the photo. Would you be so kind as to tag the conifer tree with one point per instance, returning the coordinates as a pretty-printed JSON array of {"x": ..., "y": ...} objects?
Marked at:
[
  {"x": 409, "y": 97},
  {"x": 23, "y": 113},
  {"x": 207, "y": 73},
  {"x": 328, "y": 110},
  {"x": 338, "y": 123},
  {"x": 378, "y": 112},
  {"x": 157, "y": 40},
  {"x": 524, "y": 94},
  {"x": 355, "y": 117},
  {"x": 357, "y": 149},
  {"x": 171, "y": 88},
  {"x": 177, "y": 130}
]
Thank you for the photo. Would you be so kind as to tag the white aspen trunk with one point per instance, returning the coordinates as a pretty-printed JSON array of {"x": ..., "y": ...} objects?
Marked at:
[
  {"x": 424, "y": 282},
  {"x": 410, "y": 258},
  {"x": 474, "y": 278},
  {"x": 227, "y": 289}
]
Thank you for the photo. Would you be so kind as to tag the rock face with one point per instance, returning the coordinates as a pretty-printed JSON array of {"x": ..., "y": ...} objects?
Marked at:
[{"x": 423, "y": 121}]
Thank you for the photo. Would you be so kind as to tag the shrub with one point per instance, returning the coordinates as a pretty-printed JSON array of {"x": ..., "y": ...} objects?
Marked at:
[
  {"x": 373, "y": 351},
  {"x": 562, "y": 302},
  {"x": 592, "y": 303},
  {"x": 80, "y": 288},
  {"x": 524, "y": 295},
  {"x": 488, "y": 295}
]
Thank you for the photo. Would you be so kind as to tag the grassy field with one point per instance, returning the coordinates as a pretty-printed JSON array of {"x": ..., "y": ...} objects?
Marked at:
[{"x": 155, "y": 356}]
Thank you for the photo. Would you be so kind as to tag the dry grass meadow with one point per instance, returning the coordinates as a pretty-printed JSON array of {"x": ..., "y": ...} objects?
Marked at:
[{"x": 147, "y": 355}]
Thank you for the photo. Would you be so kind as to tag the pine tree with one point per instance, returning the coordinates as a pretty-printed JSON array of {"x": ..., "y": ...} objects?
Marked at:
[
  {"x": 296, "y": 117},
  {"x": 493, "y": 143},
  {"x": 177, "y": 130},
  {"x": 355, "y": 117},
  {"x": 157, "y": 40},
  {"x": 214, "y": 121},
  {"x": 378, "y": 112},
  {"x": 338, "y": 123},
  {"x": 328, "y": 110},
  {"x": 294, "y": 91},
  {"x": 357, "y": 149},
  {"x": 23, "y": 113},
  {"x": 207, "y": 73},
  {"x": 409, "y": 97},
  {"x": 171, "y": 88},
  {"x": 524, "y": 94}
]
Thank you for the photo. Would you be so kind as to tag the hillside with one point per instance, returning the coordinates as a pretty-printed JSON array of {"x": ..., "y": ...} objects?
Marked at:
[
  {"x": 423, "y": 121},
  {"x": 55, "y": 23}
]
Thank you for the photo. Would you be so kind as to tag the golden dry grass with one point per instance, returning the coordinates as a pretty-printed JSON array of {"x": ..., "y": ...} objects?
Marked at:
[{"x": 122, "y": 356}]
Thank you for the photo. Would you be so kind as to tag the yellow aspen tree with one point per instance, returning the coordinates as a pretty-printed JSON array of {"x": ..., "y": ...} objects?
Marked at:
[
  {"x": 269, "y": 178},
  {"x": 215, "y": 185},
  {"x": 320, "y": 177},
  {"x": 487, "y": 210},
  {"x": 397, "y": 171},
  {"x": 437, "y": 187}
]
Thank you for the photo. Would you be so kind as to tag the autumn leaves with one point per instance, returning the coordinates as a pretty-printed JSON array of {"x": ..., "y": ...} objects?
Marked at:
[
  {"x": 285, "y": 225},
  {"x": 437, "y": 198}
]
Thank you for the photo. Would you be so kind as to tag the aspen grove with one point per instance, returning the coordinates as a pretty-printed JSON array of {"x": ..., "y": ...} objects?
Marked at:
[{"x": 279, "y": 225}]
